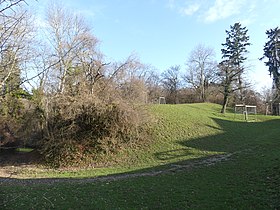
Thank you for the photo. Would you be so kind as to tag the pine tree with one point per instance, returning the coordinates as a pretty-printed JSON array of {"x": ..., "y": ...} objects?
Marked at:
[
  {"x": 272, "y": 53},
  {"x": 234, "y": 55}
]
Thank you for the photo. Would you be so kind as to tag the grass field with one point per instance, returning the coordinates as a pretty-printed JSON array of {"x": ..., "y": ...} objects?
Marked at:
[{"x": 199, "y": 159}]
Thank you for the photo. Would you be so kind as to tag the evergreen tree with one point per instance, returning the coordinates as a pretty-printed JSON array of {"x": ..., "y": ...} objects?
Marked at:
[
  {"x": 234, "y": 55},
  {"x": 272, "y": 53}
]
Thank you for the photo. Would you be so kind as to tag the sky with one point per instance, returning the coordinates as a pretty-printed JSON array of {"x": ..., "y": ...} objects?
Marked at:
[{"x": 162, "y": 33}]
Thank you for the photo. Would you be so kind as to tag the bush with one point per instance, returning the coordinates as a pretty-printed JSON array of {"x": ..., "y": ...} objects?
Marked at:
[
  {"x": 81, "y": 129},
  {"x": 8, "y": 129}
]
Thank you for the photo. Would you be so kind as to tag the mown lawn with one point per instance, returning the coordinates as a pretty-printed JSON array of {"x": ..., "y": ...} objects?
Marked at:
[{"x": 248, "y": 179}]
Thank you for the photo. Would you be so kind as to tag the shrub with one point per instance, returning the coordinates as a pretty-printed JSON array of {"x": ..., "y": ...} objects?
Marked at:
[{"x": 83, "y": 128}]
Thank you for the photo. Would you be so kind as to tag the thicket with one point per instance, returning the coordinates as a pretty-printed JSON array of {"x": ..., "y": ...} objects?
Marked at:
[
  {"x": 82, "y": 129},
  {"x": 90, "y": 120}
]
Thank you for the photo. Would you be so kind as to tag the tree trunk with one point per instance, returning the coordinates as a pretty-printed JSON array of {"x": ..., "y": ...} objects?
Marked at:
[
  {"x": 202, "y": 94},
  {"x": 223, "y": 111},
  {"x": 240, "y": 87},
  {"x": 225, "y": 102}
]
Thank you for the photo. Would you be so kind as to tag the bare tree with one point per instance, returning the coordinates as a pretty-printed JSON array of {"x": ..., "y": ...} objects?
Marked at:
[
  {"x": 128, "y": 79},
  {"x": 73, "y": 48},
  {"x": 6, "y": 5},
  {"x": 201, "y": 69},
  {"x": 15, "y": 42},
  {"x": 266, "y": 94},
  {"x": 153, "y": 85},
  {"x": 171, "y": 83}
]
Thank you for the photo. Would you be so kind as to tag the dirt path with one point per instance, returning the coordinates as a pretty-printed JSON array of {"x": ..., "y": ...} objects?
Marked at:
[{"x": 9, "y": 177}]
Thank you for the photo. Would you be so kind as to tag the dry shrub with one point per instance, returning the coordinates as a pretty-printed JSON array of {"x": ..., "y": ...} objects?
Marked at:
[
  {"x": 8, "y": 129},
  {"x": 82, "y": 128},
  {"x": 31, "y": 129}
]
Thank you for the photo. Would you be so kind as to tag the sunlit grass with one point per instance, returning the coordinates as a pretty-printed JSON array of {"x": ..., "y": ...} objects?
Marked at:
[
  {"x": 183, "y": 134},
  {"x": 174, "y": 127},
  {"x": 24, "y": 149}
]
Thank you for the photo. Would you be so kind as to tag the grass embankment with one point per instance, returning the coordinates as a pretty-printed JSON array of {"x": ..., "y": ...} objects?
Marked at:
[{"x": 248, "y": 179}]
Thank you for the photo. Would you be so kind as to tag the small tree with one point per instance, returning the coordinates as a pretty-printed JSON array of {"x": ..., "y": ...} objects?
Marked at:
[
  {"x": 153, "y": 85},
  {"x": 129, "y": 77},
  {"x": 171, "y": 83},
  {"x": 201, "y": 70},
  {"x": 234, "y": 56}
]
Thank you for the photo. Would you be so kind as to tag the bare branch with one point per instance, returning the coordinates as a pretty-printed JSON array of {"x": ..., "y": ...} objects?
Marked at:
[{"x": 10, "y": 4}]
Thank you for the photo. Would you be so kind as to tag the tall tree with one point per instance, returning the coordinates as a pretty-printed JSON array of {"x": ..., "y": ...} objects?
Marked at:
[
  {"x": 234, "y": 56},
  {"x": 201, "y": 69},
  {"x": 228, "y": 76},
  {"x": 73, "y": 46},
  {"x": 15, "y": 36},
  {"x": 272, "y": 54}
]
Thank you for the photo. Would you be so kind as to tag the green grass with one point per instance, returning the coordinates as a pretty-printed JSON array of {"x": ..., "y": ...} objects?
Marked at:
[
  {"x": 249, "y": 179},
  {"x": 24, "y": 149}
]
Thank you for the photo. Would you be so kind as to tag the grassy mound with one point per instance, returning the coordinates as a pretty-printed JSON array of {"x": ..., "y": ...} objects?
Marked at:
[
  {"x": 180, "y": 133},
  {"x": 192, "y": 135}
]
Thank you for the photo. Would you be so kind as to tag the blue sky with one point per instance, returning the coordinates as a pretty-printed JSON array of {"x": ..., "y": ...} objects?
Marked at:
[{"x": 163, "y": 32}]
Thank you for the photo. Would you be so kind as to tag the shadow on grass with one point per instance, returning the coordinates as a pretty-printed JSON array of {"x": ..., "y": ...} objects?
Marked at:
[
  {"x": 235, "y": 136},
  {"x": 174, "y": 154},
  {"x": 249, "y": 180},
  {"x": 12, "y": 157}
]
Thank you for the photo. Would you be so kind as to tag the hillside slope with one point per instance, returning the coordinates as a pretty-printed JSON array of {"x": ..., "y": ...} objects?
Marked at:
[
  {"x": 180, "y": 134},
  {"x": 191, "y": 131},
  {"x": 199, "y": 159}
]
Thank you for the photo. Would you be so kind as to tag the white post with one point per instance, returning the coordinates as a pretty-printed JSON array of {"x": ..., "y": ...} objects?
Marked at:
[{"x": 246, "y": 115}]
